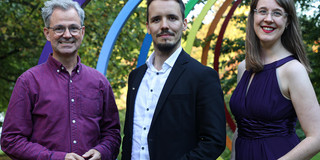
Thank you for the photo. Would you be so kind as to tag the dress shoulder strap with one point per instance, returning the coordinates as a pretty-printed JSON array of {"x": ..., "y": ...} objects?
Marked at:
[{"x": 285, "y": 60}]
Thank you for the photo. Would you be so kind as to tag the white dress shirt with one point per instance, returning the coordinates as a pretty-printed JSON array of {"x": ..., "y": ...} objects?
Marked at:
[{"x": 146, "y": 102}]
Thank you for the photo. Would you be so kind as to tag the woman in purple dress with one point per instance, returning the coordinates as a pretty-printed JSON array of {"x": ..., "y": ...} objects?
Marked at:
[{"x": 274, "y": 88}]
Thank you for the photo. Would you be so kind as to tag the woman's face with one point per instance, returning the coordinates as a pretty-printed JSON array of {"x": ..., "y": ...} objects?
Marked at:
[{"x": 270, "y": 21}]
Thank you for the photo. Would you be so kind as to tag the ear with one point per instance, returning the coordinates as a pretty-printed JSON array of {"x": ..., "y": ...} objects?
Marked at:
[
  {"x": 46, "y": 33},
  {"x": 148, "y": 29},
  {"x": 83, "y": 31},
  {"x": 185, "y": 24}
]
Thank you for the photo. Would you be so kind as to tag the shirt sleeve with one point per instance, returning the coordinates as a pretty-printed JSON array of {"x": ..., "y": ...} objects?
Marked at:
[
  {"x": 17, "y": 128},
  {"x": 110, "y": 126},
  {"x": 211, "y": 121}
]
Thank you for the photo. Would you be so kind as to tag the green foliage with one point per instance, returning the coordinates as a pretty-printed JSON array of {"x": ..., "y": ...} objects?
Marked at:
[
  {"x": 100, "y": 15},
  {"x": 310, "y": 26},
  {"x": 122, "y": 115},
  {"x": 21, "y": 40}
]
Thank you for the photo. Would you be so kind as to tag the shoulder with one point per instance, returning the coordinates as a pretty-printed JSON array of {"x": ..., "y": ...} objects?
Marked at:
[
  {"x": 293, "y": 77},
  {"x": 91, "y": 71},
  {"x": 242, "y": 66},
  {"x": 141, "y": 68},
  {"x": 94, "y": 75},
  {"x": 241, "y": 69},
  {"x": 196, "y": 70},
  {"x": 291, "y": 69},
  {"x": 198, "y": 67},
  {"x": 34, "y": 71}
]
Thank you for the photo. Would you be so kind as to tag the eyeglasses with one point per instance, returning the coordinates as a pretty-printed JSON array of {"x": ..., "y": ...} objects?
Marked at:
[
  {"x": 60, "y": 29},
  {"x": 265, "y": 12}
]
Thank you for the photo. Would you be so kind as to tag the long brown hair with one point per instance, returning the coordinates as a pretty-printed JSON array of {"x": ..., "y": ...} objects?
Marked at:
[{"x": 291, "y": 38}]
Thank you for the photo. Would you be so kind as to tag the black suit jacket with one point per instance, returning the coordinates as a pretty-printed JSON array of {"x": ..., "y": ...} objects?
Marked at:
[{"x": 189, "y": 119}]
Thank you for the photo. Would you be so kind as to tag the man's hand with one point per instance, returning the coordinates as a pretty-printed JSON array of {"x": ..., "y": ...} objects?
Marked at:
[
  {"x": 92, "y": 154},
  {"x": 73, "y": 156}
]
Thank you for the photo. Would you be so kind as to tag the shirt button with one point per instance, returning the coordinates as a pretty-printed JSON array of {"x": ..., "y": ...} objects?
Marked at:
[
  {"x": 78, "y": 71},
  {"x": 151, "y": 90},
  {"x": 74, "y": 142},
  {"x": 73, "y": 121},
  {"x": 147, "y": 109},
  {"x": 62, "y": 68},
  {"x": 144, "y": 128},
  {"x": 58, "y": 70},
  {"x": 70, "y": 81},
  {"x": 157, "y": 73},
  {"x": 72, "y": 100},
  {"x": 142, "y": 148}
]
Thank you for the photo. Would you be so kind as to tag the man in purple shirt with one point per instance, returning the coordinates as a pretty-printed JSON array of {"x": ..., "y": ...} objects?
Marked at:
[{"x": 62, "y": 109}]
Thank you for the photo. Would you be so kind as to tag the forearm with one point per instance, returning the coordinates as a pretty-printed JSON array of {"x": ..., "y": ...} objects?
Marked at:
[
  {"x": 234, "y": 138},
  {"x": 18, "y": 147},
  {"x": 109, "y": 146},
  {"x": 305, "y": 150}
]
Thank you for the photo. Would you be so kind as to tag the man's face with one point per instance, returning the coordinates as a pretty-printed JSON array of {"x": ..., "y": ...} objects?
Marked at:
[
  {"x": 166, "y": 24},
  {"x": 68, "y": 42}
]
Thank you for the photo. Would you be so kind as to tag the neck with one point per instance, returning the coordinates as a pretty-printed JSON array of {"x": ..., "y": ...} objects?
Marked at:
[
  {"x": 69, "y": 62},
  {"x": 274, "y": 52},
  {"x": 161, "y": 56}
]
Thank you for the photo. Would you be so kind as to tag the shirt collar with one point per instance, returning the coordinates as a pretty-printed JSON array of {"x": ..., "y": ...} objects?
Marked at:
[
  {"x": 59, "y": 66},
  {"x": 169, "y": 62}
]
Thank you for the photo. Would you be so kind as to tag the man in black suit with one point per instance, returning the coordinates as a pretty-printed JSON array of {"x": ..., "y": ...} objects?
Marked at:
[{"x": 175, "y": 106}]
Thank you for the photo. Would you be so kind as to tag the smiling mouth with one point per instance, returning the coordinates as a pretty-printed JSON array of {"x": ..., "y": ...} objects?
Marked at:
[
  {"x": 64, "y": 42},
  {"x": 268, "y": 29}
]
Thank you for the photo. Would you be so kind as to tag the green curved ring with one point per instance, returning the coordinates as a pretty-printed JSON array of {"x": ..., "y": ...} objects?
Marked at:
[{"x": 196, "y": 25}]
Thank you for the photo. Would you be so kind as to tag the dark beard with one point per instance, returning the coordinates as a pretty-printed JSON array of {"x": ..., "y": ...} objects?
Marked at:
[{"x": 167, "y": 47}]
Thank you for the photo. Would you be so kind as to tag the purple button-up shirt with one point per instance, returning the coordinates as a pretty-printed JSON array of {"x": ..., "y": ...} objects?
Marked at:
[{"x": 52, "y": 113}]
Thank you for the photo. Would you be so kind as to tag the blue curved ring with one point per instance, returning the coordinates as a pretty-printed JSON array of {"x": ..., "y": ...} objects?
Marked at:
[{"x": 113, "y": 34}]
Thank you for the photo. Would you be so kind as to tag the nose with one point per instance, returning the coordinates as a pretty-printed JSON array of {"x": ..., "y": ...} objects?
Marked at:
[
  {"x": 269, "y": 17},
  {"x": 164, "y": 24},
  {"x": 67, "y": 33}
]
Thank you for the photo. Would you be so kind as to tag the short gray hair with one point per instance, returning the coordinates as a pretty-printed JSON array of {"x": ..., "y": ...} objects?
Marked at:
[{"x": 50, "y": 5}]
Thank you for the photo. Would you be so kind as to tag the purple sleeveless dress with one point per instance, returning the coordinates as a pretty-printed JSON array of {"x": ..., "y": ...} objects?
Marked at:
[{"x": 265, "y": 118}]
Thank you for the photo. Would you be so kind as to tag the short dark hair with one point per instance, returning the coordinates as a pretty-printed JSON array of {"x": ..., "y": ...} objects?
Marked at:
[{"x": 182, "y": 8}]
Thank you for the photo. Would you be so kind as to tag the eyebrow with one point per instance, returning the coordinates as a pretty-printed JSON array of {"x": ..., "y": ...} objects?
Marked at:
[
  {"x": 276, "y": 9},
  {"x": 71, "y": 25},
  {"x": 173, "y": 15},
  {"x": 154, "y": 17}
]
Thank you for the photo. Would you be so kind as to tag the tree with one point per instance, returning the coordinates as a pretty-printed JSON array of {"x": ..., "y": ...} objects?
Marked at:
[{"x": 22, "y": 40}]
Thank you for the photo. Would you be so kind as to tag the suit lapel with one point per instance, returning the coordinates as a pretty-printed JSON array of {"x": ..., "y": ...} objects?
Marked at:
[
  {"x": 177, "y": 69},
  {"x": 136, "y": 80}
]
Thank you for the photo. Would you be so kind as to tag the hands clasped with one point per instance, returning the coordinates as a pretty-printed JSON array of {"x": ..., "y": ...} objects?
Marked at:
[{"x": 92, "y": 154}]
